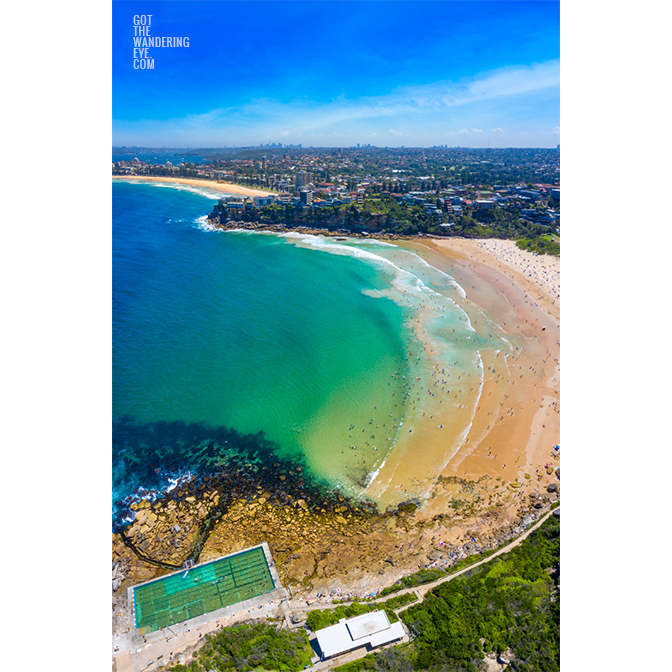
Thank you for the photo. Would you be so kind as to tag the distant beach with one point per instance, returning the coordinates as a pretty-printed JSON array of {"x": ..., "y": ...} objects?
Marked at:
[{"x": 210, "y": 184}]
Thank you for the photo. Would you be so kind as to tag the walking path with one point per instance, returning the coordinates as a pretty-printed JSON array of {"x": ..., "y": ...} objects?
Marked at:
[{"x": 137, "y": 653}]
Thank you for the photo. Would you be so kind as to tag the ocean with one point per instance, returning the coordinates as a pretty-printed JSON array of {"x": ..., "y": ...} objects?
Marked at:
[{"x": 317, "y": 351}]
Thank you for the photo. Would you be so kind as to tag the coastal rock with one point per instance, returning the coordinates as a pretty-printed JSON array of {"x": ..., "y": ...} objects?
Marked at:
[
  {"x": 300, "y": 566},
  {"x": 552, "y": 487}
]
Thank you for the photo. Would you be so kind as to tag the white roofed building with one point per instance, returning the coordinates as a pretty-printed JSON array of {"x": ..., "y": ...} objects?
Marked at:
[{"x": 369, "y": 630}]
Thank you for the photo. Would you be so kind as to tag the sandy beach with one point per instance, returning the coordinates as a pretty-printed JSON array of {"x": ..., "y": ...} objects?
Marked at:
[
  {"x": 515, "y": 427},
  {"x": 210, "y": 184},
  {"x": 517, "y": 422}
]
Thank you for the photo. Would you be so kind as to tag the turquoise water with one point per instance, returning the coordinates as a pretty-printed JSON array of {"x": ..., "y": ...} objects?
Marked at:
[
  {"x": 246, "y": 332},
  {"x": 317, "y": 351}
]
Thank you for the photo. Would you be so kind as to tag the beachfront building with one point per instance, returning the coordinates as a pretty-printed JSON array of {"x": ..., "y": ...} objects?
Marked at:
[
  {"x": 302, "y": 178},
  {"x": 368, "y": 630},
  {"x": 283, "y": 199}
]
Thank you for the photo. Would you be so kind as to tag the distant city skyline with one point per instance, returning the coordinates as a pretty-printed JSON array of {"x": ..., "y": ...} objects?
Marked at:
[{"x": 327, "y": 74}]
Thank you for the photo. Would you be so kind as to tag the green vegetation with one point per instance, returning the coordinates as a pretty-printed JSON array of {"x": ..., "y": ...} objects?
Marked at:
[
  {"x": 250, "y": 646},
  {"x": 510, "y": 604},
  {"x": 400, "y": 601},
  {"x": 389, "y": 659},
  {"x": 541, "y": 245}
]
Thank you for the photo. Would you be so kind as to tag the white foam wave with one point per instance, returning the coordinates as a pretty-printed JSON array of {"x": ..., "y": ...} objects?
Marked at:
[
  {"x": 202, "y": 191},
  {"x": 373, "y": 474},
  {"x": 403, "y": 280},
  {"x": 203, "y": 224}
]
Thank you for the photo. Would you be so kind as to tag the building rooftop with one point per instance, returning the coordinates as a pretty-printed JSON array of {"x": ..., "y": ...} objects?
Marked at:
[{"x": 372, "y": 629}]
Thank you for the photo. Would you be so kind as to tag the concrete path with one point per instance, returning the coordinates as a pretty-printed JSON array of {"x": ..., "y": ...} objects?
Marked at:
[{"x": 141, "y": 654}]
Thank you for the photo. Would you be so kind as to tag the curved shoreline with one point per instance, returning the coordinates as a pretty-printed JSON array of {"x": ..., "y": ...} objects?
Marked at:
[
  {"x": 517, "y": 422},
  {"x": 224, "y": 187},
  {"x": 483, "y": 489}
]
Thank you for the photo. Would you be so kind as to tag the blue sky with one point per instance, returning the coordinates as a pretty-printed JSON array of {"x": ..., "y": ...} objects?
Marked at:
[{"x": 396, "y": 73}]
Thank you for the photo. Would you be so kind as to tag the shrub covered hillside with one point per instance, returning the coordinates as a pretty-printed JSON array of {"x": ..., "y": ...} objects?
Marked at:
[
  {"x": 510, "y": 606},
  {"x": 251, "y": 646}
]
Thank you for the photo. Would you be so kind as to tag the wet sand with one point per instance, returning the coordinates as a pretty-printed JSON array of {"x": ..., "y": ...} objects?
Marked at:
[
  {"x": 210, "y": 184},
  {"x": 516, "y": 420}
]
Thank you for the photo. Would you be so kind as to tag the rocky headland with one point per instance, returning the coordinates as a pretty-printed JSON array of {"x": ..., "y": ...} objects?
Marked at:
[{"x": 322, "y": 542}]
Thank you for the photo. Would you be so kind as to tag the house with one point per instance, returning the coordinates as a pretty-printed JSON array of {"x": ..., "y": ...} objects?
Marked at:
[{"x": 368, "y": 630}]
